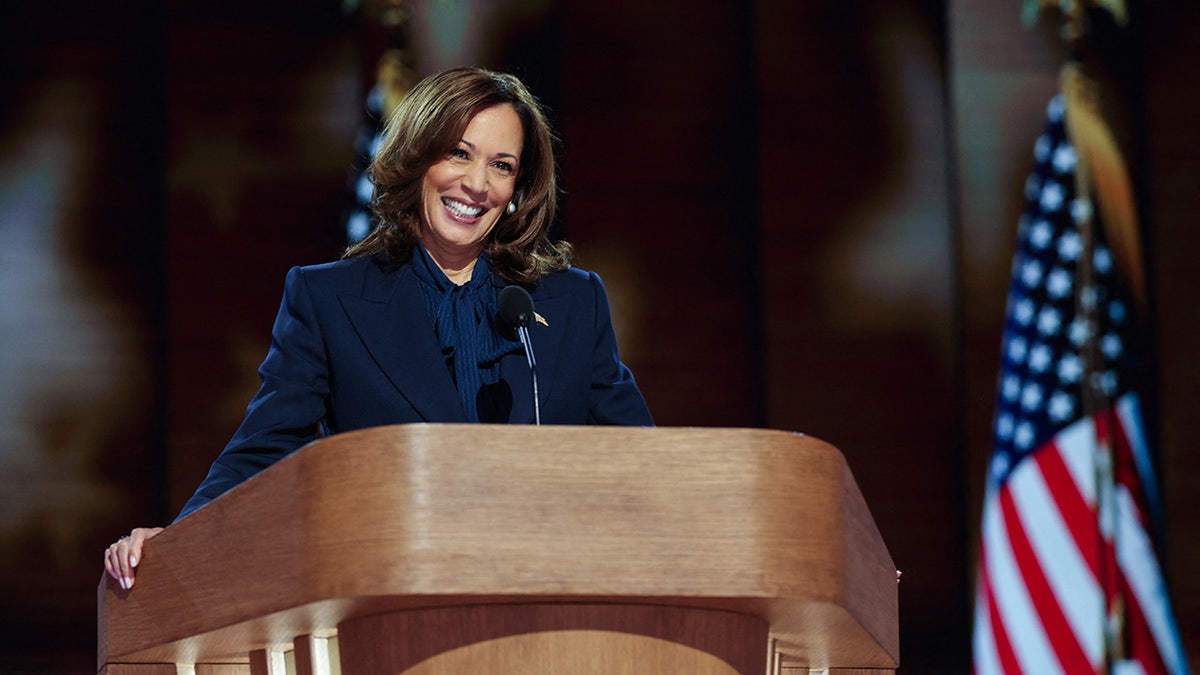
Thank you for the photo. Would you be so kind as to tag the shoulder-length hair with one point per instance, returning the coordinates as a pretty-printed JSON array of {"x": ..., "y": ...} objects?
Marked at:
[{"x": 426, "y": 126}]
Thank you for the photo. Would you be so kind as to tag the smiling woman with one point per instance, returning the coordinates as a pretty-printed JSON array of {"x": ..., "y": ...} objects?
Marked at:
[
  {"x": 404, "y": 328},
  {"x": 455, "y": 122},
  {"x": 465, "y": 194}
]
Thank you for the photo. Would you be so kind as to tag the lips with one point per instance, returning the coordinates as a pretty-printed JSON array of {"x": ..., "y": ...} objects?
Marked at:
[{"x": 462, "y": 210}]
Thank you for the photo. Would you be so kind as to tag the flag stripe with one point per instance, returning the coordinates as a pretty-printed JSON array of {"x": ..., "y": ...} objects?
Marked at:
[
  {"x": 1142, "y": 647},
  {"x": 1056, "y": 553},
  {"x": 996, "y": 635},
  {"x": 1140, "y": 565},
  {"x": 1077, "y": 446},
  {"x": 1050, "y": 614},
  {"x": 1013, "y": 605},
  {"x": 986, "y": 659},
  {"x": 1129, "y": 411},
  {"x": 1072, "y": 508}
]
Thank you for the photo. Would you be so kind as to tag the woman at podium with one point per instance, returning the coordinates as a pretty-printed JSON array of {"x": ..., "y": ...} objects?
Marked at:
[{"x": 409, "y": 326}]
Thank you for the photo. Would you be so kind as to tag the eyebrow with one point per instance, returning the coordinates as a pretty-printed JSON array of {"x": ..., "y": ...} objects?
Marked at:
[{"x": 471, "y": 145}]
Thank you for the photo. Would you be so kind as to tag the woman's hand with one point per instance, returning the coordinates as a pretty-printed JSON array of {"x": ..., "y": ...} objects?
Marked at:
[{"x": 121, "y": 559}]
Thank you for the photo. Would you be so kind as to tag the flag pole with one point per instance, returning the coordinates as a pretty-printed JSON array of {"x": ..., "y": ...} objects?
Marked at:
[{"x": 1102, "y": 185}]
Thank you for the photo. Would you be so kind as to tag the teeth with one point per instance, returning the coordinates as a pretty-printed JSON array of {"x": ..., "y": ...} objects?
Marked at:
[{"x": 462, "y": 210}]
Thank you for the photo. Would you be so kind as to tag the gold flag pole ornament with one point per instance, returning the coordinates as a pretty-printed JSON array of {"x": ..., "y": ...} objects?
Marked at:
[
  {"x": 1103, "y": 178},
  {"x": 1074, "y": 10}
]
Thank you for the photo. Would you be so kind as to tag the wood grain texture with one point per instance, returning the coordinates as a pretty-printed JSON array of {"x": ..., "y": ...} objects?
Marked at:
[
  {"x": 304, "y": 651},
  {"x": 138, "y": 669},
  {"x": 762, "y": 523},
  {"x": 609, "y": 639},
  {"x": 260, "y": 662},
  {"x": 576, "y": 652},
  {"x": 223, "y": 669}
]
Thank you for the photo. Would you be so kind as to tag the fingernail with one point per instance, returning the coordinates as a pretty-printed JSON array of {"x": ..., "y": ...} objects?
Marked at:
[
  {"x": 125, "y": 583},
  {"x": 132, "y": 561}
]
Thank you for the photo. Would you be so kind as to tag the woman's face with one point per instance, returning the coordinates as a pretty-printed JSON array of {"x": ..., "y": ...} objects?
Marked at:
[{"x": 465, "y": 194}]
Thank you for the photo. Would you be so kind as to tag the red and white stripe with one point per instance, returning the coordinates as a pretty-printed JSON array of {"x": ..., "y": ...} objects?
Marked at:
[{"x": 1041, "y": 605}]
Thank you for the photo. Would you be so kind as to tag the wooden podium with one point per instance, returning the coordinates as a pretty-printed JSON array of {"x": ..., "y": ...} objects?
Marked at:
[{"x": 431, "y": 548}]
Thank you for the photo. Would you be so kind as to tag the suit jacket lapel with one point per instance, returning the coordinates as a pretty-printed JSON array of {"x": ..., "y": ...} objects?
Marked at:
[
  {"x": 408, "y": 353},
  {"x": 547, "y": 341}
]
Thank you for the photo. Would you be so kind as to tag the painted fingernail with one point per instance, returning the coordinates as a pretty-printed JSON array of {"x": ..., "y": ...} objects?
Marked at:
[
  {"x": 125, "y": 583},
  {"x": 132, "y": 561}
]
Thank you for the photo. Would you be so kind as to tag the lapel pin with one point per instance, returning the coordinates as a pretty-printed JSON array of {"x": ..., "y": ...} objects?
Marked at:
[{"x": 538, "y": 318}]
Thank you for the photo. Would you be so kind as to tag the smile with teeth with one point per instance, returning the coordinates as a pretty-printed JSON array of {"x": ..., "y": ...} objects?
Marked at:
[{"x": 461, "y": 210}]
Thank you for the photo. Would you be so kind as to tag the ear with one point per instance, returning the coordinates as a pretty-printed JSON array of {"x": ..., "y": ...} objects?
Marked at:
[{"x": 515, "y": 202}]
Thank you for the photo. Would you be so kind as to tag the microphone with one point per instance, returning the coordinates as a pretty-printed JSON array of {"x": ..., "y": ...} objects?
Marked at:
[{"x": 516, "y": 310}]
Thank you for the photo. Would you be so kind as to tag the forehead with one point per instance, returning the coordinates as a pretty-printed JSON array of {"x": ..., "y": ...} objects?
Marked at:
[{"x": 498, "y": 127}]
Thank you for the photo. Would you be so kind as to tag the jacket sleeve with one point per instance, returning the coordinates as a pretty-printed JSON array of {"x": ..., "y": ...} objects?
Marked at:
[
  {"x": 615, "y": 397},
  {"x": 291, "y": 401}
]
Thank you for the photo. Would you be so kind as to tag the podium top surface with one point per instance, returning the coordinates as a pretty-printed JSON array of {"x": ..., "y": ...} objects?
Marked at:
[{"x": 763, "y": 522}]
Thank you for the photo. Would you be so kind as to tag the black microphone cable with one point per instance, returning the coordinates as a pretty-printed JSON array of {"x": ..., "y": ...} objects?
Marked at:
[{"x": 516, "y": 310}]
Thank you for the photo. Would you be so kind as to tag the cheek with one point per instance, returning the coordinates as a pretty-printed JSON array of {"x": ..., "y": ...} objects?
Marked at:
[
  {"x": 428, "y": 191},
  {"x": 504, "y": 193},
  {"x": 437, "y": 178}
]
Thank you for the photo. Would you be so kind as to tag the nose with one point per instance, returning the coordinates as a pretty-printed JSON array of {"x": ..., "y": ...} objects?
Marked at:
[{"x": 475, "y": 178}]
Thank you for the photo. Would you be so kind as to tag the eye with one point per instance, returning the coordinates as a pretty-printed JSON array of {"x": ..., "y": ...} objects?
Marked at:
[
  {"x": 506, "y": 168},
  {"x": 460, "y": 153}
]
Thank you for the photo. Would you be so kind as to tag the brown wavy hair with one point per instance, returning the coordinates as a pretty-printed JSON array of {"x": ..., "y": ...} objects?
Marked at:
[{"x": 425, "y": 128}]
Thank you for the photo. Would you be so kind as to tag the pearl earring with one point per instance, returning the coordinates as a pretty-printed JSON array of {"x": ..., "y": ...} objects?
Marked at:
[{"x": 512, "y": 208}]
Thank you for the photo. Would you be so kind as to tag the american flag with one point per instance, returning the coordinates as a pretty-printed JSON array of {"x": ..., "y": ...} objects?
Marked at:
[{"x": 1068, "y": 575}]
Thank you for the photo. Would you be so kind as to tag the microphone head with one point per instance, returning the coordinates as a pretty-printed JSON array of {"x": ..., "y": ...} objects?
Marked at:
[{"x": 515, "y": 306}]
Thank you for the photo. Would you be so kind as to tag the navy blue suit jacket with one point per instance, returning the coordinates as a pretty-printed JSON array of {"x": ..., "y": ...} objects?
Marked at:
[{"x": 353, "y": 347}]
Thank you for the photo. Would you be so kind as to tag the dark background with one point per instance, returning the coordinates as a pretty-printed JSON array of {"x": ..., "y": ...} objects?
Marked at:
[{"x": 804, "y": 212}]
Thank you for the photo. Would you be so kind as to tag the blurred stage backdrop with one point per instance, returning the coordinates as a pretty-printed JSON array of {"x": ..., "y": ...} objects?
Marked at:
[{"x": 805, "y": 213}]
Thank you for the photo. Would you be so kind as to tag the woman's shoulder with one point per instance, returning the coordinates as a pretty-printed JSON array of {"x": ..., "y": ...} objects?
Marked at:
[
  {"x": 579, "y": 285},
  {"x": 570, "y": 281},
  {"x": 569, "y": 278},
  {"x": 343, "y": 266},
  {"x": 347, "y": 274}
]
